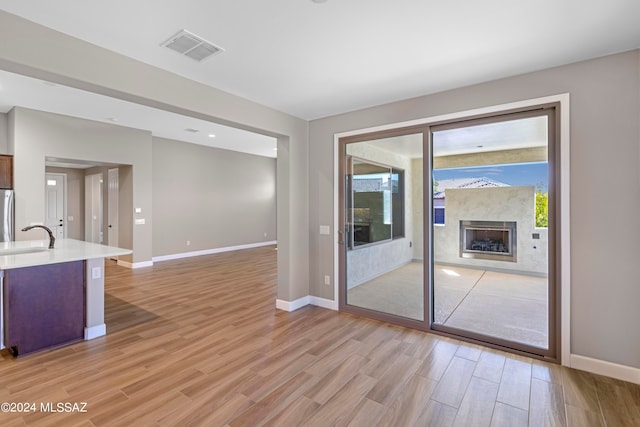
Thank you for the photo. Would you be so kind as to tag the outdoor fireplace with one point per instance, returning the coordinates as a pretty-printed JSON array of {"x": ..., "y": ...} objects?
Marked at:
[{"x": 492, "y": 240}]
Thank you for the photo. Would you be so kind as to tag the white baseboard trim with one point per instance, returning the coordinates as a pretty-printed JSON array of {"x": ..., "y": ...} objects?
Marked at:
[
  {"x": 161, "y": 258},
  {"x": 304, "y": 301},
  {"x": 324, "y": 303},
  {"x": 92, "y": 332},
  {"x": 292, "y": 305},
  {"x": 128, "y": 264},
  {"x": 602, "y": 367},
  {"x": 212, "y": 251}
]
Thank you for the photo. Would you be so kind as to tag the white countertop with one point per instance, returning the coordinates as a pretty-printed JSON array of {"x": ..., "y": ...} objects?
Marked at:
[{"x": 65, "y": 250}]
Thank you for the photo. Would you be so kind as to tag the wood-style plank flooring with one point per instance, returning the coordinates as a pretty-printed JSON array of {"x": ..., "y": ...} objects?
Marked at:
[{"x": 198, "y": 341}]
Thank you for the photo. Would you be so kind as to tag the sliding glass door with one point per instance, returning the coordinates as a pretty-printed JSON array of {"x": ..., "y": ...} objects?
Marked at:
[
  {"x": 382, "y": 227},
  {"x": 452, "y": 228},
  {"x": 492, "y": 231}
]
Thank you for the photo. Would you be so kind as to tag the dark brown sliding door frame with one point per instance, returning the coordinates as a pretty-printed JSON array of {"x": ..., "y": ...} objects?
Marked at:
[
  {"x": 343, "y": 229},
  {"x": 552, "y": 111}
]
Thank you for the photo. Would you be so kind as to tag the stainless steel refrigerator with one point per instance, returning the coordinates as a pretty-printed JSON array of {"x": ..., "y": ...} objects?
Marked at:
[
  {"x": 7, "y": 219},
  {"x": 6, "y": 235}
]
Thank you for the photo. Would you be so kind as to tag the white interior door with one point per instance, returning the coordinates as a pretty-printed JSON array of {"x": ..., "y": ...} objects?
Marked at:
[
  {"x": 54, "y": 203},
  {"x": 112, "y": 212},
  {"x": 93, "y": 208}
]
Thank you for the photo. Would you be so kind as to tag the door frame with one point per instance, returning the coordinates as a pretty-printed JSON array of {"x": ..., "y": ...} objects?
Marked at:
[
  {"x": 550, "y": 111},
  {"x": 563, "y": 247},
  {"x": 113, "y": 207},
  {"x": 90, "y": 193},
  {"x": 343, "y": 242},
  {"x": 64, "y": 200}
]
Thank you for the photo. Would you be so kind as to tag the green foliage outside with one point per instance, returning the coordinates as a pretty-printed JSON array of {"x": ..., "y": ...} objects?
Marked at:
[{"x": 542, "y": 209}]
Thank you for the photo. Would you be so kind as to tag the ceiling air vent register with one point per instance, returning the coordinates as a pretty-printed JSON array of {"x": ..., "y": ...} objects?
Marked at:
[{"x": 193, "y": 46}]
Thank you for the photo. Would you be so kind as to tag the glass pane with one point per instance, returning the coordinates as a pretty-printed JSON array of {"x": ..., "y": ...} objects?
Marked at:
[
  {"x": 490, "y": 235},
  {"x": 371, "y": 196},
  {"x": 397, "y": 202},
  {"x": 383, "y": 219}
]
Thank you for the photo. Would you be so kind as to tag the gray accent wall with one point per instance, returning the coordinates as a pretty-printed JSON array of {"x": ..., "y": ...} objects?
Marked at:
[
  {"x": 605, "y": 188},
  {"x": 211, "y": 198}
]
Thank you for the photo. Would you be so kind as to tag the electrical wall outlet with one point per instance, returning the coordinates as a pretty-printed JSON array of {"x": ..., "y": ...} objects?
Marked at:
[{"x": 327, "y": 280}]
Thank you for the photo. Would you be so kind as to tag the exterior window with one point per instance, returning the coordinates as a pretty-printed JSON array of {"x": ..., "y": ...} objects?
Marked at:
[
  {"x": 377, "y": 203},
  {"x": 438, "y": 215}
]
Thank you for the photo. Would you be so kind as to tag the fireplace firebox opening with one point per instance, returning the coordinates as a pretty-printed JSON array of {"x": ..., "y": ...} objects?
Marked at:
[{"x": 491, "y": 240}]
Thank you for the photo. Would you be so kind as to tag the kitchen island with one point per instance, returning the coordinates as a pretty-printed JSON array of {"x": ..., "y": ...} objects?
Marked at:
[{"x": 51, "y": 297}]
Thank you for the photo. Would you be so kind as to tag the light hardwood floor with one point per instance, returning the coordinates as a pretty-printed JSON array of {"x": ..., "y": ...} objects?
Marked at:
[{"x": 199, "y": 342}]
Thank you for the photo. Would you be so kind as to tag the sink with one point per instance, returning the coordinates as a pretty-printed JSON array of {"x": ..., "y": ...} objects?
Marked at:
[{"x": 21, "y": 251}]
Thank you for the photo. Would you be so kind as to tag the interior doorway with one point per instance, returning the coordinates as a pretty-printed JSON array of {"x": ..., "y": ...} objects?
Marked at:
[
  {"x": 96, "y": 200},
  {"x": 55, "y": 203}
]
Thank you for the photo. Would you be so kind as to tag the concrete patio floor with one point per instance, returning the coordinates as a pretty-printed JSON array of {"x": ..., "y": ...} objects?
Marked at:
[{"x": 505, "y": 305}]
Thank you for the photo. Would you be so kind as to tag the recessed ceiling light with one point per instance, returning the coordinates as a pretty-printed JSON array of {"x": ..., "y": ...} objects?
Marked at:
[{"x": 211, "y": 135}]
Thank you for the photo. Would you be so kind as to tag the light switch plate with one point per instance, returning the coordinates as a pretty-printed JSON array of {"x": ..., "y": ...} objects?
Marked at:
[
  {"x": 140, "y": 221},
  {"x": 324, "y": 229}
]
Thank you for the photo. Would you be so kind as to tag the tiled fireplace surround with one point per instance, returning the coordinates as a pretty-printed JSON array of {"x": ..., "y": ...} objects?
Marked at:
[{"x": 493, "y": 204}]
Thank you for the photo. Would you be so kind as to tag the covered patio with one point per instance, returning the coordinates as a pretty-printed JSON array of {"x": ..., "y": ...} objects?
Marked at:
[{"x": 506, "y": 305}]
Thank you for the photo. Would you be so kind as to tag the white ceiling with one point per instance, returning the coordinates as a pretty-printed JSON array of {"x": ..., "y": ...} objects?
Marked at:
[
  {"x": 505, "y": 135},
  {"x": 314, "y": 60}
]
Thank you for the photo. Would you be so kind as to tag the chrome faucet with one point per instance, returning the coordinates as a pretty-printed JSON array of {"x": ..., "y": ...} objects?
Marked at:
[{"x": 52, "y": 239}]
